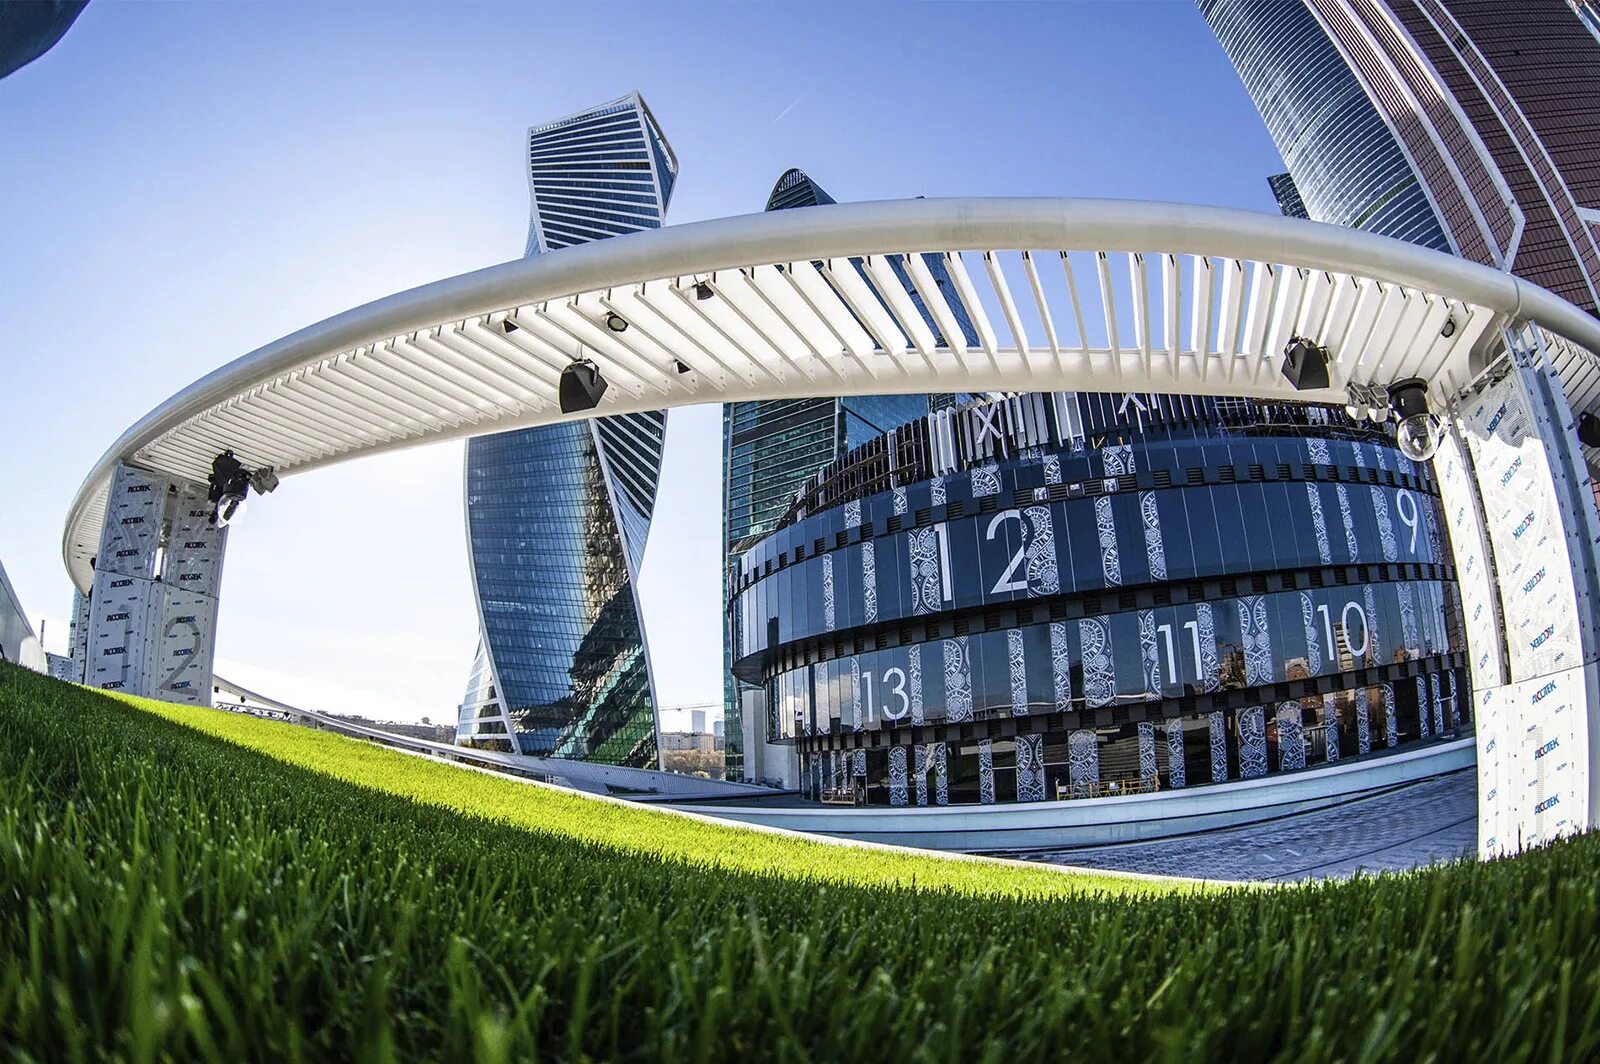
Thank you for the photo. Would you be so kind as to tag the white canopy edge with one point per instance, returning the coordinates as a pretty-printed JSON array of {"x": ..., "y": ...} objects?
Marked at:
[{"x": 1093, "y": 295}]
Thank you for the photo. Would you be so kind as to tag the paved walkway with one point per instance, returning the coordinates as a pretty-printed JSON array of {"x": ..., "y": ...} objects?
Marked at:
[{"x": 1418, "y": 824}]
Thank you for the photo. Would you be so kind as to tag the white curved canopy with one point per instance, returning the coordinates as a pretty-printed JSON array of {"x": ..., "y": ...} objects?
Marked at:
[{"x": 1093, "y": 295}]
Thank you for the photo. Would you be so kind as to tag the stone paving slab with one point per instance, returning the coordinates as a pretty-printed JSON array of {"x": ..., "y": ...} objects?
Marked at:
[{"x": 1399, "y": 830}]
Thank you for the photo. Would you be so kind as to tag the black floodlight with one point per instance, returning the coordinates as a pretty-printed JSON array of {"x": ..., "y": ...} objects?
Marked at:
[
  {"x": 1305, "y": 365},
  {"x": 1449, "y": 329},
  {"x": 616, "y": 322},
  {"x": 508, "y": 326},
  {"x": 1589, "y": 430},
  {"x": 702, "y": 291},
  {"x": 581, "y": 387},
  {"x": 264, "y": 480}
]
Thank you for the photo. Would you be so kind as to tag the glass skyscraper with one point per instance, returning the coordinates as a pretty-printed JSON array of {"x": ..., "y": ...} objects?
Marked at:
[
  {"x": 770, "y": 447},
  {"x": 1345, "y": 162},
  {"x": 1290, "y": 205},
  {"x": 1470, "y": 126},
  {"x": 558, "y": 516}
]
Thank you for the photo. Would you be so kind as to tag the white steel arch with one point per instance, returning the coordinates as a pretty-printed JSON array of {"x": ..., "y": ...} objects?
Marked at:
[{"x": 1063, "y": 294}]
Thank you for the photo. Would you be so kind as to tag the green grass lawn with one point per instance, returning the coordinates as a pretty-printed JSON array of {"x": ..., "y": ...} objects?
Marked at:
[
  {"x": 183, "y": 884},
  {"x": 630, "y": 829}
]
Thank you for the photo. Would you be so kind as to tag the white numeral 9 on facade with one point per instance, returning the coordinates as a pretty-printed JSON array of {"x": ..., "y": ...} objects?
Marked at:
[{"x": 1406, "y": 504}]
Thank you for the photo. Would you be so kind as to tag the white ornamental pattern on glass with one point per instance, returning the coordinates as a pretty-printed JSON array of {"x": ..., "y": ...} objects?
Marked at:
[
  {"x": 855, "y": 694},
  {"x": 1150, "y": 654},
  {"x": 829, "y": 615},
  {"x": 1369, "y": 627},
  {"x": 1291, "y": 737},
  {"x": 1319, "y": 522},
  {"x": 1118, "y": 460},
  {"x": 869, "y": 581},
  {"x": 1061, "y": 665},
  {"x": 1052, "y": 469},
  {"x": 936, "y": 491},
  {"x": 1106, "y": 525},
  {"x": 1147, "y": 751},
  {"x": 1099, "y": 676},
  {"x": 902, "y": 505},
  {"x": 860, "y": 769},
  {"x": 1347, "y": 520},
  {"x": 1219, "y": 746},
  {"x": 1391, "y": 726},
  {"x": 1257, "y": 640},
  {"x": 1030, "y": 768},
  {"x": 1429, "y": 517},
  {"x": 1252, "y": 742},
  {"x": 1308, "y": 614},
  {"x": 919, "y": 772},
  {"x": 897, "y": 775},
  {"x": 941, "y": 774},
  {"x": 1206, "y": 629},
  {"x": 1438, "y": 704},
  {"x": 1422, "y": 708},
  {"x": 1155, "y": 550},
  {"x": 1330, "y": 727},
  {"x": 985, "y": 481},
  {"x": 1083, "y": 757},
  {"x": 1317, "y": 451},
  {"x": 1177, "y": 771},
  {"x": 1454, "y": 702},
  {"x": 1361, "y": 458},
  {"x": 957, "y": 681},
  {"x": 1043, "y": 576},
  {"x": 1386, "y": 541},
  {"x": 986, "y": 771},
  {"x": 927, "y": 574},
  {"x": 1363, "y": 722},
  {"x": 1019, "y": 672},
  {"x": 914, "y": 682},
  {"x": 852, "y": 514},
  {"x": 1408, "y": 619}
]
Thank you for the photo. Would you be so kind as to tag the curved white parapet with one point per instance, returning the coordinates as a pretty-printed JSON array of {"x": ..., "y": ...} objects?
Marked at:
[
  {"x": 18, "y": 644},
  {"x": 592, "y": 777},
  {"x": 1099, "y": 821}
]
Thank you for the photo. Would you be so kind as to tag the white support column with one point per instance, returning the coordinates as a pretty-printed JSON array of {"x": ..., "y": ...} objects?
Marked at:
[
  {"x": 78, "y": 635},
  {"x": 125, "y": 591},
  {"x": 152, "y": 615},
  {"x": 191, "y": 577},
  {"x": 1527, "y": 538}
]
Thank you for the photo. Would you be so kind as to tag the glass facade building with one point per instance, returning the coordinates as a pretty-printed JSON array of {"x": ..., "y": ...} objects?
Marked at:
[
  {"x": 770, "y": 447},
  {"x": 558, "y": 516},
  {"x": 1470, "y": 126},
  {"x": 1290, "y": 205},
  {"x": 1068, "y": 595},
  {"x": 1347, "y": 165}
]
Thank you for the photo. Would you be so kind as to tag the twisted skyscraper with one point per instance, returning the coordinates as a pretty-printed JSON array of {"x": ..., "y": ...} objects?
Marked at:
[{"x": 558, "y": 516}]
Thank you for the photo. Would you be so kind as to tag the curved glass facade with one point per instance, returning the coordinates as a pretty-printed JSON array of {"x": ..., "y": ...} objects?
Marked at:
[
  {"x": 1346, "y": 163},
  {"x": 558, "y": 516},
  {"x": 771, "y": 446},
  {"x": 1140, "y": 591}
]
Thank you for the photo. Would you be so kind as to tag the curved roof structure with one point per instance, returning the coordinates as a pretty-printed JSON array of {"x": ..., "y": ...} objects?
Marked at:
[{"x": 1063, "y": 293}]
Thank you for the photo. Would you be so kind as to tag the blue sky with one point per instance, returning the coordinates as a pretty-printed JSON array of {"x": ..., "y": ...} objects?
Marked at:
[{"x": 181, "y": 183}]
